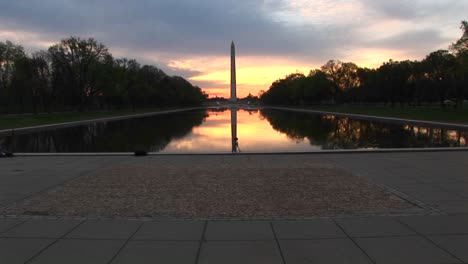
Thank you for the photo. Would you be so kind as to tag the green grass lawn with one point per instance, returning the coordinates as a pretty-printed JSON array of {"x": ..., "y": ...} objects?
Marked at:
[
  {"x": 428, "y": 113},
  {"x": 8, "y": 122}
]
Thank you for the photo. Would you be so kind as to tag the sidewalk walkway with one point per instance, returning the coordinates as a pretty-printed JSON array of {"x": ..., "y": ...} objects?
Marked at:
[
  {"x": 412, "y": 239},
  {"x": 437, "y": 181}
]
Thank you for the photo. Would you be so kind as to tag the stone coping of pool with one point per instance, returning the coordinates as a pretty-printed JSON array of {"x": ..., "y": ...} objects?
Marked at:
[
  {"x": 24, "y": 130},
  {"x": 338, "y": 151},
  {"x": 380, "y": 118}
]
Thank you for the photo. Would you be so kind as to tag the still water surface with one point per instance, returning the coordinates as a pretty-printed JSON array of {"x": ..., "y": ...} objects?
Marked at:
[{"x": 216, "y": 130}]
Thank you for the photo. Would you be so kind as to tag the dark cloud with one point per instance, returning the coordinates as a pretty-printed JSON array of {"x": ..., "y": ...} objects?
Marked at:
[
  {"x": 213, "y": 84},
  {"x": 417, "y": 9},
  {"x": 183, "y": 28},
  {"x": 186, "y": 73},
  {"x": 412, "y": 41},
  {"x": 176, "y": 27}
]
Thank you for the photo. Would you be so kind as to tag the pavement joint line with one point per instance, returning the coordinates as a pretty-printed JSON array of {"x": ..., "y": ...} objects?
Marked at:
[
  {"x": 335, "y": 238},
  {"x": 53, "y": 243},
  {"x": 430, "y": 240},
  {"x": 409, "y": 199},
  {"x": 12, "y": 227},
  {"x": 238, "y": 240},
  {"x": 125, "y": 243},
  {"x": 354, "y": 241},
  {"x": 165, "y": 240},
  {"x": 283, "y": 259},
  {"x": 201, "y": 241}
]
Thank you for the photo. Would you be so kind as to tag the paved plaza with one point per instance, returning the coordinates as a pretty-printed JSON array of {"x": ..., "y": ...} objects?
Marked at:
[{"x": 435, "y": 182}]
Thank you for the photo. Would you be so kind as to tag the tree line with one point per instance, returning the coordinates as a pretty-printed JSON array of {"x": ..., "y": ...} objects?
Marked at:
[
  {"x": 441, "y": 77},
  {"x": 78, "y": 74}
]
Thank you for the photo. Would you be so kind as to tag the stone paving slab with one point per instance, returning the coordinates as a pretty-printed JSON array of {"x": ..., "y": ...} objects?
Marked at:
[
  {"x": 42, "y": 228},
  {"x": 437, "y": 225},
  {"x": 72, "y": 251},
  {"x": 239, "y": 230},
  {"x": 322, "y": 251},
  {"x": 174, "y": 252},
  {"x": 404, "y": 250},
  {"x": 170, "y": 230},
  {"x": 234, "y": 252},
  {"x": 335, "y": 240},
  {"x": 455, "y": 244},
  {"x": 8, "y": 223},
  {"x": 429, "y": 193},
  {"x": 453, "y": 207},
  {"x": 18, "y": 250},
  {"x": 29, "y": 175},
  {"x": 374, "y": 227},
  {"x": 307, "y": 229},
  {"x": 105, "y": 229}
]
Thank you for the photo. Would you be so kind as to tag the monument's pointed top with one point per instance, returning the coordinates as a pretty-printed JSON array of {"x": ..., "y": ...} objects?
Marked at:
[{"x": 232, "y": 43}]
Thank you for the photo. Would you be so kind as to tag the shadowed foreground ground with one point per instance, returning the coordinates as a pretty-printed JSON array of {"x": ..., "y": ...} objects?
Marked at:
[
  {"x": 151, "y": 187},
  {"x": 435, "y": 181}
]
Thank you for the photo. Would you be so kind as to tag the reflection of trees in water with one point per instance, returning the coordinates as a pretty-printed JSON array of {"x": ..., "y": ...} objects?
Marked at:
[
  {"x": 148, "y": 133},
  {"x": 333, "y": 132},
  {"x": 251, "y": 111}
]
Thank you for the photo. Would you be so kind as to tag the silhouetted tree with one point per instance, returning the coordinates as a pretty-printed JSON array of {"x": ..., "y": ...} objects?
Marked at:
[
  {"x": 43, "y": 80},
  {"x": 343, "y": 75},
  {"x": 78, "y": 57},
  {"x": 460, "y": 48},
  {"x": 440, "y": 76},
  {"x": 439, "y": 68},
  {"x": 10, "y": 53}
]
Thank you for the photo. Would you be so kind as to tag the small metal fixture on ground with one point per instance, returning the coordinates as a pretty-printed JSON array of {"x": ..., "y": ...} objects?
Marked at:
[
  {"x": 140, "y": 153},
  {"x": 4, "y": 153}
]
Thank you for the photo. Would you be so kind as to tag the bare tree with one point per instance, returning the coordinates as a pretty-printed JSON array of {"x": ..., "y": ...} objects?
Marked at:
[{"x": 77, "y": 56}]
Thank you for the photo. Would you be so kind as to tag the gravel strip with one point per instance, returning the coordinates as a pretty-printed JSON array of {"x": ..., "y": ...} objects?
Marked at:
[{"x": 156, "y": 188}]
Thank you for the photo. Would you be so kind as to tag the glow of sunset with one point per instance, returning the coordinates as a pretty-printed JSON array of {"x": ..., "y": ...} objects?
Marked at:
[
  {"x": 251, "y": 79},
  {"x": 255, "y": 74},
  {"x": 289, "y": 35}
]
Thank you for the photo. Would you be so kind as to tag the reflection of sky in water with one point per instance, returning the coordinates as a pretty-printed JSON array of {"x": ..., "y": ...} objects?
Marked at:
[
  {"x": 254, "y": 134},
  {"x": 209, "y": 131}
]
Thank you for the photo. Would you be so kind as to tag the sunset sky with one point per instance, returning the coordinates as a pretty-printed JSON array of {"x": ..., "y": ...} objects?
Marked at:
[{"x": 192, "y": 38}]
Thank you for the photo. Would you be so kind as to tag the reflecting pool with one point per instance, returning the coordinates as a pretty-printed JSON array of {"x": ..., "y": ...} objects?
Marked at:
[{"x": 234, "y": 130}]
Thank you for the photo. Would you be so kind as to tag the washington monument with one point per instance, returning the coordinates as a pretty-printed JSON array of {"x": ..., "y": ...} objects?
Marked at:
[{"x": 233, "y": 73}]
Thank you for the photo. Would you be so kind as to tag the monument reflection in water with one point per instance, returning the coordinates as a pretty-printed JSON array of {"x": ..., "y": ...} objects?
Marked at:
[
  {"x": 223, "y": 130},
  {"x": 234, "y": 139},
  {"x": 233, "y": 130}
]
